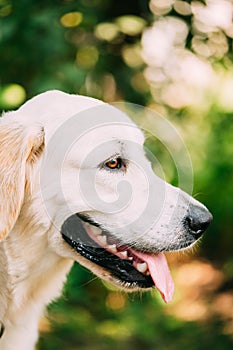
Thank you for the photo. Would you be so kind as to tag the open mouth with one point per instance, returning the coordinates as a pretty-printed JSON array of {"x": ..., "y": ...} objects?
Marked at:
[{"x": 131, "y": 268}]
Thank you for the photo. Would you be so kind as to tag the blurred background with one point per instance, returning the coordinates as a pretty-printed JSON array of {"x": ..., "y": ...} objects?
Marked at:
[{"x": 176, "y": 58}]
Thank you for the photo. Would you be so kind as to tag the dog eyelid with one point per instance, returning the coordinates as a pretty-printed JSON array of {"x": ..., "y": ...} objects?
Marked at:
[{"x": 114, "y": 163}]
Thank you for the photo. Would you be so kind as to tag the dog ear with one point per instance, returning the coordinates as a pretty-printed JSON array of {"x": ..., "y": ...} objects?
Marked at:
[{"x": 19, "y": 145}]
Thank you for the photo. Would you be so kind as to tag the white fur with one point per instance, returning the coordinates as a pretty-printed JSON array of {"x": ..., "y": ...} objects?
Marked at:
[{"x": 36, "y": 198}]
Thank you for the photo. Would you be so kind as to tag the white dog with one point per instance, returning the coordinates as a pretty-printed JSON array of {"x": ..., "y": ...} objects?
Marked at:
[{"x": 76, "y": 186}]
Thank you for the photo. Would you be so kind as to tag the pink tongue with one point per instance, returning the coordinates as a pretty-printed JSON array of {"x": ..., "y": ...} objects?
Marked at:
[{"x": 159, "y": 271}]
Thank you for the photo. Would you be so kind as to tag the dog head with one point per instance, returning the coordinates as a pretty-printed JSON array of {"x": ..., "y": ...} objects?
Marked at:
[{"x": 77, "y": 167}]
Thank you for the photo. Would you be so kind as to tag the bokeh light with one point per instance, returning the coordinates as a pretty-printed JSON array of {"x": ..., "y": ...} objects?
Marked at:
[
  {"x": 106, "y": 31},
  {"x": 71, "y": 19},
  {"x": 132, "y": 55},
  {"x": 213, "y": 15},
  {"x": 131, "y": 25},
  {"x": 161, "y": 7},
  {"x": 177, "y": 76},
  {"x": 12, "y": 95},
  {"x": 182, "y": 8},
  {"x": 87, "y": 56}
]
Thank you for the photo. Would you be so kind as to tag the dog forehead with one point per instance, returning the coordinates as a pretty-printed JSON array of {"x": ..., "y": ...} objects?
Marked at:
[
  {"x": 105, "y": 141},
  {"x": 57, "y": 110},
  {"x": 75, "y": 126},
  {"x": 53, "y": 107}
]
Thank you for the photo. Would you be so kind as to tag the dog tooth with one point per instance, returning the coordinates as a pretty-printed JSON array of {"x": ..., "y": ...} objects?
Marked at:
[
  {"x": 113, "y": 248},
  {"x": 97, "y": 231},
  {"x": 125, "y": 254},
  {"x": 102, "y": 239},
  {"x": 142, "y": 267}
]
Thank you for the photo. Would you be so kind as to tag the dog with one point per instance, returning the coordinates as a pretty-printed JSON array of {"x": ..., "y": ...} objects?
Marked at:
[{"x": 76, "y": 186}]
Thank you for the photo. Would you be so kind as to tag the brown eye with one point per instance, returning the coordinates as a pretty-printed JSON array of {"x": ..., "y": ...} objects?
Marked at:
[{"x": 114, "y": 163}]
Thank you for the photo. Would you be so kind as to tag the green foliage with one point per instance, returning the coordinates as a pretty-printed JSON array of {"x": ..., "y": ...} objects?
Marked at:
[
  {"x": 216, "y": 175},
  {"x": 84, "y": 319},
  {"x": 39, "y": 53}
]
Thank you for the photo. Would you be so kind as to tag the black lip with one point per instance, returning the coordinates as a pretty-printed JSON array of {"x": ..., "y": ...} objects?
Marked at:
[{"x": 75, "y": 235}]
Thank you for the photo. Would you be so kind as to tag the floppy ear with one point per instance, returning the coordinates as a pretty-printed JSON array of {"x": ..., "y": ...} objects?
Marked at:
[{"x": 18, "y": 146}]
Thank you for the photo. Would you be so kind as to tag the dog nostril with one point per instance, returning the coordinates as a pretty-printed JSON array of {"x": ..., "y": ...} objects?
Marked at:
[{"x": 198, "y": 220}]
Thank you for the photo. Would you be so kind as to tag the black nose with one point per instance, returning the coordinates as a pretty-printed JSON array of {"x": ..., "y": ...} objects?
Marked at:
[{"x": 198, "y": 219}]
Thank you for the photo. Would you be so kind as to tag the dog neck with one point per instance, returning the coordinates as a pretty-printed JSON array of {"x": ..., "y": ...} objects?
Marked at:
[{"x": 30, "y": 277}]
